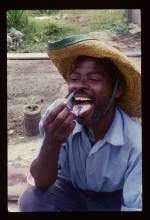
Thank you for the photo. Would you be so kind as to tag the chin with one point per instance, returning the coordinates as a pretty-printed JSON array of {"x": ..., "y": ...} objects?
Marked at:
[
  {"x": 89, "y": 122},
  {"x": 84, "y": 122}
]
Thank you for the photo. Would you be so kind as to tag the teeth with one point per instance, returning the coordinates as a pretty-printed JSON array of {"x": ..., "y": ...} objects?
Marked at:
[{"x": 82, "y": 99}]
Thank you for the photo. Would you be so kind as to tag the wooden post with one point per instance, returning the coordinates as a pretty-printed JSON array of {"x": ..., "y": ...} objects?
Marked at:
[
  {"x": 134, "y": 16},
  {"x": 129, "y": 15}
]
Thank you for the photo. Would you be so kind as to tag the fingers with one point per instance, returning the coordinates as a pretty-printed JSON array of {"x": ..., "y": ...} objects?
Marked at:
[
  {"x": 66, "y": 132},
  {"x": 66, "y": 123},
  {"x": 53, "y": 114},
  {"x": 59, "y": 117},
  {"x": 63, "y": 118},
  {"x": 59, "y": 124}
]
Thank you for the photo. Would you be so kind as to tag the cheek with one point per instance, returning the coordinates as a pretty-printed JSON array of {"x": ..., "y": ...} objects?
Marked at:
[
  {"x": 70, "y": 87},
  {"x": 102, "y": 92}
]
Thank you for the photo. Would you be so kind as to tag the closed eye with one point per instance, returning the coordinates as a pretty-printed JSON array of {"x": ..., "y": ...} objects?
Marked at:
[
  {"x": 74, "y": 79},
  {"x": 95, "y": 79}
]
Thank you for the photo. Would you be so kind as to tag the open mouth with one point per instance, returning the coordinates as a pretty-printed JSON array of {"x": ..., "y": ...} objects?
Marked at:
[
  {"x": 82, "y": 105},
  {"x": 82, "y": 100}
]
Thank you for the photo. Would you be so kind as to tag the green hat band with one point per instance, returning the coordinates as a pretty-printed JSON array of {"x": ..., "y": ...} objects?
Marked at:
[{"x": 68, "y": 41}]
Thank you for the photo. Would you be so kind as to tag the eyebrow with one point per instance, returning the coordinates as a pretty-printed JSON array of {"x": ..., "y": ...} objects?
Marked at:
[
  {"x": 98, "y": 73},
  {"x": 90, "y": 72}
]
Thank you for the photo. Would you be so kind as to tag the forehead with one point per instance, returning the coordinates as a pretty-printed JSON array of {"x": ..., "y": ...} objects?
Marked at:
[{"x": 91, "y": 64}]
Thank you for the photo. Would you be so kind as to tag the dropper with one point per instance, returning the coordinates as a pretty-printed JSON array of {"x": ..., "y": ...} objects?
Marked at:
[{"x": 69, "y": 100}]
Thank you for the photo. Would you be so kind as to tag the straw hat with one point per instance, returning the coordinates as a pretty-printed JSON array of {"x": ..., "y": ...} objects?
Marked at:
[{"x": 65, "y": 52}]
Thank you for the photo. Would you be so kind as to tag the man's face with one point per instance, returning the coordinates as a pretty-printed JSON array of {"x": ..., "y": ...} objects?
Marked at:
[{"x": 92, "y": 80}]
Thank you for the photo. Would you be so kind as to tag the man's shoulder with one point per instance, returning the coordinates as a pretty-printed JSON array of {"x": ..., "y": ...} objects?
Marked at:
[
  {"x": 132, "y": 129},
  {"x": 131, "y": 122}
]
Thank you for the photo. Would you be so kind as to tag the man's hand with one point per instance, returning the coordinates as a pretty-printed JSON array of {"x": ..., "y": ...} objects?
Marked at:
[{"x": 58, "y": 125}]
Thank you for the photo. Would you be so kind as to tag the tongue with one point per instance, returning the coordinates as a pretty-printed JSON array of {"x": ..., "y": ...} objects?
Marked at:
[{"x": 79, "y": 109}]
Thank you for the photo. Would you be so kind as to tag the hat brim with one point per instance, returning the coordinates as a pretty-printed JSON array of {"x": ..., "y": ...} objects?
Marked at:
[{"x": 64, "y": 58}]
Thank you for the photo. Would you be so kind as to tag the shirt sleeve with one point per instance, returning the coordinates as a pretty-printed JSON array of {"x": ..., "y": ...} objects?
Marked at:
[{"x": 132, "y": 190}]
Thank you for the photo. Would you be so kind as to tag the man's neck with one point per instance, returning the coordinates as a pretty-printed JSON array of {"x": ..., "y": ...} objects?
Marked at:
[{"x": 100, "y": 129}]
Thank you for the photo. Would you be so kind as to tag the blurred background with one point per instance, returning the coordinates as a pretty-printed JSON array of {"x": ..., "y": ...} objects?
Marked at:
[{"x": 29, "y": 30}]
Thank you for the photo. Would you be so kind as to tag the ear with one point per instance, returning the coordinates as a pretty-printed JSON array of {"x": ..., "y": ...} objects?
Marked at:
[{"x": 119, "y": 92}]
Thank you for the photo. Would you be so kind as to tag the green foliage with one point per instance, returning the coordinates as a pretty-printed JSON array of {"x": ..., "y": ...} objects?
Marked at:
[
  {"x": 115, "y": 21},
  {"x": 42, "y": 12},
  {"x": 36, "y": 33},
  {"x": 17, "y": 19},
  {"x": 57, "y": 29}
]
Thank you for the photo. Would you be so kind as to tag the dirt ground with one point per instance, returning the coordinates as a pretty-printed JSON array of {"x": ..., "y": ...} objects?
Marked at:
[
  {"x": 39, "y": 78},
  {"x": 27, "y": 78}
]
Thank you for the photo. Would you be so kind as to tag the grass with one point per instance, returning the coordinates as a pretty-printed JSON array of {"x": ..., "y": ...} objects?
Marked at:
[
  {"x": 17, "y": 19},
  {"x": 62, "y": 23},
  {"x": 42, "y": 31},
  {"x": 115, "y": 21}
]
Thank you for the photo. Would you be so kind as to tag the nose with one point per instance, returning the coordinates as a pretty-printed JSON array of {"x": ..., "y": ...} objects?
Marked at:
[
  {"x": 80, "y": 87},
  {"x": 81, "y": 84},
  {"x": 77, "y": 87}
]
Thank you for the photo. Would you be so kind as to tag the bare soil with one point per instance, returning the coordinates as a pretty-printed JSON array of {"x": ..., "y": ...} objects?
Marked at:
[{"x": 27, "y": 78}]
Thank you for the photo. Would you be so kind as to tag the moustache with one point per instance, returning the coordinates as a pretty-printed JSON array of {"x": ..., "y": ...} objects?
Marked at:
[{"x": 84, "y": 93}]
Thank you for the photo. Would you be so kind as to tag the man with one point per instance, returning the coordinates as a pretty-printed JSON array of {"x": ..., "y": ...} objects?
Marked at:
[{"x": 90, "y": 157}]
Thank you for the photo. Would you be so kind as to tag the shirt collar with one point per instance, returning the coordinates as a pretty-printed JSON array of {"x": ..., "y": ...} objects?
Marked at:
[
  {"x": 114, "y": 134},
  {"x": 78, "y": 128}
]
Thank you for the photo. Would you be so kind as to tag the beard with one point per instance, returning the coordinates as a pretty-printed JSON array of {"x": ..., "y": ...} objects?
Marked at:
[
  {"x": 95, "y": 117},
  {"x": 99, "y": 112}
]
